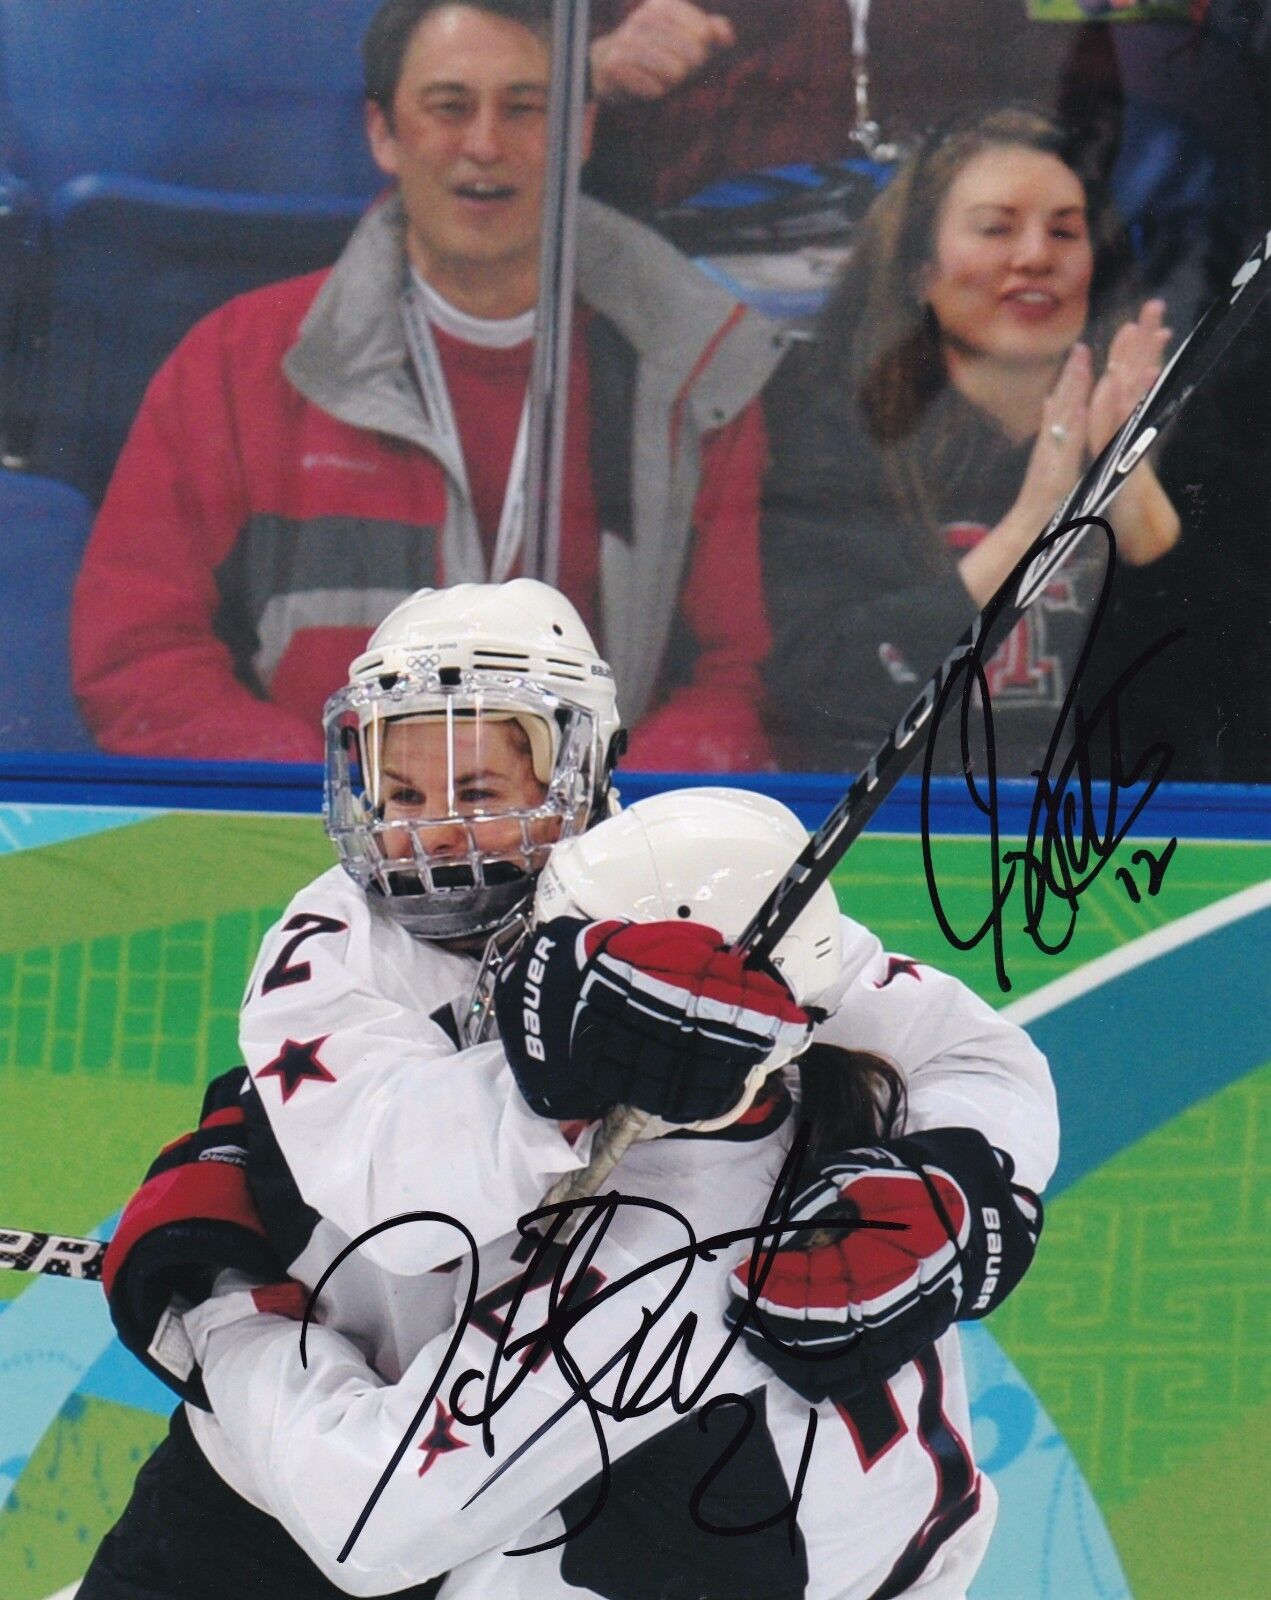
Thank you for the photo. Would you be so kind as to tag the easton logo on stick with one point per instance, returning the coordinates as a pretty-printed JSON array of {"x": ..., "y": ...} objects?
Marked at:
[{"x": 22, "y": 1250}]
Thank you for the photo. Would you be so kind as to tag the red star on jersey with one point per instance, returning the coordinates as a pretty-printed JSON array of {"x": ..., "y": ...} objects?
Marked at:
[
  {"x": 899, "y": 967},
  {"x": 296, "y": 1064},
  {"x": 440, "y": 1440}
]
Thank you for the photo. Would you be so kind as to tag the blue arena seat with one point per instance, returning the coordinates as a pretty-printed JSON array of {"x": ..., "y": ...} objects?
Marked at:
[
  {"x": 43, "y": 527},
  {"x": 776, "y": 238},
  {"x": 132, "y": 266},
  {"x": 223, "y": 94},
  {"x": 777, "y": 208}
]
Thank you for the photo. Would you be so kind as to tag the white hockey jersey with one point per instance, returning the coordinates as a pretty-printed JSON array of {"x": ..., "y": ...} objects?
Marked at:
[{"x": 378, "y": 1114}]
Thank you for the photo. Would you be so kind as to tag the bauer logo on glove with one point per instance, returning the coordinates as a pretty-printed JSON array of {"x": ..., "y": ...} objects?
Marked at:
[{"x": 532, "y": 996}]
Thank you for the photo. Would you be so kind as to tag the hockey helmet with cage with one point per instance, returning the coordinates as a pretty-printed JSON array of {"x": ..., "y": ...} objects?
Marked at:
[
  {"x": 712, "y": 855},
  {"x": 500, "y": 726}
]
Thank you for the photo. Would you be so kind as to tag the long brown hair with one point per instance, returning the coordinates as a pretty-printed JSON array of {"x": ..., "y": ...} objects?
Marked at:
[
  {"x": 847, "y": 1098},
  {"x": 878, "y": 346}
]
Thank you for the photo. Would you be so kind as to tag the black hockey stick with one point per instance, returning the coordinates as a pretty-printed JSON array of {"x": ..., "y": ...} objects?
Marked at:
[
  {"x": 22, "y": 1250},
  {"x": 1195, "y": 357}
]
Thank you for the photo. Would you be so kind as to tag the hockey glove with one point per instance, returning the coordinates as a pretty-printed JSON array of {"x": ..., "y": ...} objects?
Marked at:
[
  {"x": 842, "y": 1315},
  {"x": 661, "y": 1016},
  {"x": 193, "y": 1216}
]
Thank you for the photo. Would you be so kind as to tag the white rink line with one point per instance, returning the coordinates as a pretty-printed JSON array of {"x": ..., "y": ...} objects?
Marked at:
[{"x": 1128, "y": 956}]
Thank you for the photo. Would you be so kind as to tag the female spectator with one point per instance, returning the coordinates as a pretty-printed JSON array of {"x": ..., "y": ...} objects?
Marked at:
[{"x": 976, "y": 354}]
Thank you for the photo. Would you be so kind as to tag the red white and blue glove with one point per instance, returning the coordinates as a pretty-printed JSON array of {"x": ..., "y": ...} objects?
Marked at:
[
  {"x": 660, "y": 1015},
  {"x": 836, "y": 1318},
  {"x": 193, "y": 1217}
]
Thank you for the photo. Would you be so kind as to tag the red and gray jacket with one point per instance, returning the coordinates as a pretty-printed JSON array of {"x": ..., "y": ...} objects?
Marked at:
[{"x": 281, "y": 490}]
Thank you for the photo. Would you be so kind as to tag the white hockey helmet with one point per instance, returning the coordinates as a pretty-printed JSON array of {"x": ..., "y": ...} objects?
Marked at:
[
  {"x": 709, "y": 855},
  {"x": 501, "y": 730}
]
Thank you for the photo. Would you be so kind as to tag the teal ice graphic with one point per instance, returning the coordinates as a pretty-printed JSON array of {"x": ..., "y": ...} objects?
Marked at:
[
  {"x": 29, "y": 827},
  {"x": 49, "y": 1338},
  {"x": 1050, "y": 1542}
]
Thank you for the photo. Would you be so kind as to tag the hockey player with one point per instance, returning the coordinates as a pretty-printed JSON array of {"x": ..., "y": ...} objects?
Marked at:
[
  {"x": 882, "y": 1485},
  {"x": 479, "y": 728}
]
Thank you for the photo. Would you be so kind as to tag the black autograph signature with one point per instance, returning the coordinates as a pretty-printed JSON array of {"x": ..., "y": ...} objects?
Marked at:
[
  {"x": 662, "y": 1378},
  {"x": 1067, "y": 845}
]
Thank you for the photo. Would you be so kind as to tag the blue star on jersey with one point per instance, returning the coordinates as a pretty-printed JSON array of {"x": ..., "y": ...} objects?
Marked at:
[{"x": 296, "y": 1064}]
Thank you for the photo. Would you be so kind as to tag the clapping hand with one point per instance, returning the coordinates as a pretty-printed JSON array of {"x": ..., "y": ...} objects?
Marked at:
[
  {"x": 1078, "y": 418},
  {"x": 1059, "y": 450},
  {"x": 1080, "y": 415},
  {"x": 1135, "y": 357}
]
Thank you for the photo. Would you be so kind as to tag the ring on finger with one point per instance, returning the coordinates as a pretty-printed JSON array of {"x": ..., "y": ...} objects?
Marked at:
[{"x": 1058, "y": 433}]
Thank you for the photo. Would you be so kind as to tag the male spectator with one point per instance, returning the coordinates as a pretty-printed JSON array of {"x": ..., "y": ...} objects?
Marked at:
[{"x": 314, "y": 451}]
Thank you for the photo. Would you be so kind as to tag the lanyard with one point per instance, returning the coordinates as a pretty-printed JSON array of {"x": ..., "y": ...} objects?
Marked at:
[{"x": 440, "y": 416}]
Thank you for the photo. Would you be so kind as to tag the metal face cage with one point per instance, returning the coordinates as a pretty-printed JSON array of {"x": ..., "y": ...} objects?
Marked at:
[{"x": 444, "y": 800}]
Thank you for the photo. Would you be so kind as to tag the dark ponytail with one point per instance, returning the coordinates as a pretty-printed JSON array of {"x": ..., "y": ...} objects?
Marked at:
[{"x": 847, "y": 1098}]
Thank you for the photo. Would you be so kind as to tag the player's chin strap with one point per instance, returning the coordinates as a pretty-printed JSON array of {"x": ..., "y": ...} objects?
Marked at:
[
  {"x": 478, "y": 1020},
  {"x": 505, "y": 941}
]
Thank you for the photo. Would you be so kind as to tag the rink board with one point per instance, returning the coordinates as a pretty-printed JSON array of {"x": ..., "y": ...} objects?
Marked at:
[{"x": 1120, "y": 1399}]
